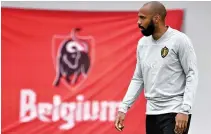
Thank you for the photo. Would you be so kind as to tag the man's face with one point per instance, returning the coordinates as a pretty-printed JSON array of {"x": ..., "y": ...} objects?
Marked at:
[{"x": 145, "y": 21}]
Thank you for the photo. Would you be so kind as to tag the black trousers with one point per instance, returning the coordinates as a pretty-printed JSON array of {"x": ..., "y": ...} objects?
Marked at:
[{"x": 162, "y": 124}]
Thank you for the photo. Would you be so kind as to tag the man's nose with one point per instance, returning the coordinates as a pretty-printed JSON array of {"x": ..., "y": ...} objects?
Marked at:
[{"x": 139, "y": 22}]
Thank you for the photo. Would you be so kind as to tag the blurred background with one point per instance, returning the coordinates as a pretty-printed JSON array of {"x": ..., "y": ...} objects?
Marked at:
[{"x": 32, "y": 36}]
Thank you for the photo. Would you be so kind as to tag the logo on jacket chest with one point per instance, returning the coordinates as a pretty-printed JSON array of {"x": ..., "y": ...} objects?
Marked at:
[{"x": 164, "y": 52}]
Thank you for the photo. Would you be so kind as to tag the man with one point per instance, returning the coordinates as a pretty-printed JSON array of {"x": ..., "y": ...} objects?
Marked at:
[{"x": 166, "y": 68}]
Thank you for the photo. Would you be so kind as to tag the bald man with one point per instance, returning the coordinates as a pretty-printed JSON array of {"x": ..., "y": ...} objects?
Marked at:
[{"x": 166, "y": 69}]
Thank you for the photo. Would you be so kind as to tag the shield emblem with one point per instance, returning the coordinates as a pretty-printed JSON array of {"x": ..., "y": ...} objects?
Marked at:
[
  {"x": 164, "y": 52},
  {"x": 73, "y": 57}
]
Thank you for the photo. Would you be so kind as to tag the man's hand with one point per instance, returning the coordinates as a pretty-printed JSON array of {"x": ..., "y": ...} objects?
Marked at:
[
  {"x": 119, "y": 121},
  {"x": 181, "y": 123}
]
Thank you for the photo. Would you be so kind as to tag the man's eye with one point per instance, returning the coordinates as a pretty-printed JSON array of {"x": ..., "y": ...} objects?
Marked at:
[{"x": 142, "y": 17}]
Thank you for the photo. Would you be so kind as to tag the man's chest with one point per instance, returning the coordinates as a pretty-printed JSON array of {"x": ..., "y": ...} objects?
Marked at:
[{"x": 158, "y": 55}]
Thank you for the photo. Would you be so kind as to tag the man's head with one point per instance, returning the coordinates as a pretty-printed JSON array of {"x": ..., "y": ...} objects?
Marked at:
[{"x": 151, "y": 16}]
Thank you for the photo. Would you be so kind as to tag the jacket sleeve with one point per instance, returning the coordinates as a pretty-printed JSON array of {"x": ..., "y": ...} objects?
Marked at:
[
  {"x": 135, "y": 87},
  {"x": 188, "y": 62}
]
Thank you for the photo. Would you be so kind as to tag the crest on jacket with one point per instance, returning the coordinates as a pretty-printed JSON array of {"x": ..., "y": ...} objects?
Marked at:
[{"x": 164, "y": 52}]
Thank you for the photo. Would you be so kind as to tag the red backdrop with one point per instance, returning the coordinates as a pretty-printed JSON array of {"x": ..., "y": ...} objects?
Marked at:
[{"x": 32, "y": 104}]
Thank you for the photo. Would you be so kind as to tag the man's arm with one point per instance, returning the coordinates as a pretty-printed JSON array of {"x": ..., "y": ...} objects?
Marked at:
[
  {"x": 188, "y": 61},
  {"x": 135, "y": 87}
]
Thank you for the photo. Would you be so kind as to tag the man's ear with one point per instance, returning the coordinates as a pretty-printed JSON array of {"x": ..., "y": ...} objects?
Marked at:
[{"x": 156, "y": 18}]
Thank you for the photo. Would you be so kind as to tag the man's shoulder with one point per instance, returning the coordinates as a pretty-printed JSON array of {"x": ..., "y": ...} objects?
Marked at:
[
  {"x": 179, "y": 35},
  {"x": 182, "y": 38}
]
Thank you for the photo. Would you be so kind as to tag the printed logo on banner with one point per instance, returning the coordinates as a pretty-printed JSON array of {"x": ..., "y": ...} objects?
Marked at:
[{"x": 73, "y": 56}]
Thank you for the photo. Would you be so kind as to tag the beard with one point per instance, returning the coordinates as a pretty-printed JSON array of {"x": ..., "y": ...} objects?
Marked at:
[{"x": 149, "y": 30}]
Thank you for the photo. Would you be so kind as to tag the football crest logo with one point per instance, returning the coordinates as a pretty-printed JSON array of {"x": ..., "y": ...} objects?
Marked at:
[
  {"x": 72, "y": 57},
  {"x": 164, "y": 52}
]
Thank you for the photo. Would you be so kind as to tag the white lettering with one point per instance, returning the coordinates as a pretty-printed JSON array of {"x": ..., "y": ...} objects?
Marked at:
[
  {"x": 43, "y": 110},
  {"x": 72, "y": 112},
  {"x": 56, "y": 107},
  {"x": 67, "y": 114},
  {"x": 27, "y": 105},
  {"x": 79, "y": 109}
]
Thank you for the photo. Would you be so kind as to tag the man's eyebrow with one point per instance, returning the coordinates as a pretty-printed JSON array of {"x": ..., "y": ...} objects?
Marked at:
[{"x": 141, "y": 16}]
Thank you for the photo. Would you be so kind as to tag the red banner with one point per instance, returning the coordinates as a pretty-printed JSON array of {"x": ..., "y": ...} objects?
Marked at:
[{"x": 66, "y": 72}]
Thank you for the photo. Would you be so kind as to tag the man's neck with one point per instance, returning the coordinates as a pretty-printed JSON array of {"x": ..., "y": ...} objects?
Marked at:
[{"x": 159, "y": 32}]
